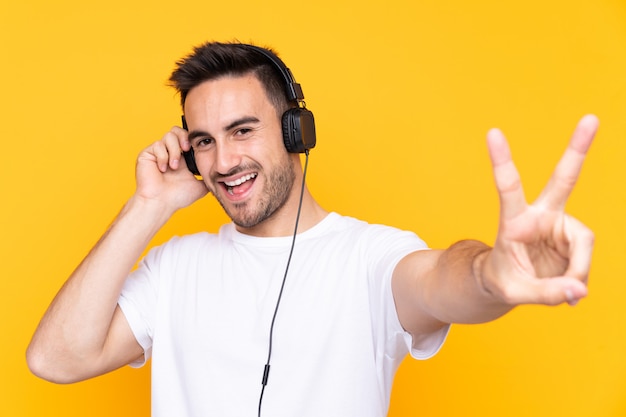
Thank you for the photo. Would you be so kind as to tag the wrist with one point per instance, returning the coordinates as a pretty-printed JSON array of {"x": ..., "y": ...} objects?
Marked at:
[
  {"x": 481, "y": 273},
  {"x": 147, "y": 211}
]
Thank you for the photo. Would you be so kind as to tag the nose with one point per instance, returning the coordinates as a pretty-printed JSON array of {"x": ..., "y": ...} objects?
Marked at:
[{"x": 227, "y": 157}]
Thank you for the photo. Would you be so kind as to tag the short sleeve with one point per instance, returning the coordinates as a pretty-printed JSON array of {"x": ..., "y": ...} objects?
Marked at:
[
  {"x": 389, "y": 247},
  {"x": 138, "y": 301}
]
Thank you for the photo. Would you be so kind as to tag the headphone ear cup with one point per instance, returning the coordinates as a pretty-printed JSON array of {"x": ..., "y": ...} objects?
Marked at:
[
  {"x": 190, "y": 159},
  {"x": 298, "y": 130}
]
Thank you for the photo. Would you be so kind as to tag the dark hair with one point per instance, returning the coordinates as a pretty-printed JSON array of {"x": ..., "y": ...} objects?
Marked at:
[{"x": 213, "y": 60}]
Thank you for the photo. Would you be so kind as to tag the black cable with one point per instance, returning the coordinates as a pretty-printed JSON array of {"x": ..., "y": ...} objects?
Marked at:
[{"x": 266, "y": 370}]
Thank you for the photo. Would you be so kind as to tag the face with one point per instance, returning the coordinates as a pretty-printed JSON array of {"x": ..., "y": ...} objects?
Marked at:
[{"x": 237, "y": 140}]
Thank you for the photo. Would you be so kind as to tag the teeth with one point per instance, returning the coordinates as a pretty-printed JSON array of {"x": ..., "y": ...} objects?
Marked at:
[
  {"x": 230, "y": 190},
  {"x": 240, "y": 181}
]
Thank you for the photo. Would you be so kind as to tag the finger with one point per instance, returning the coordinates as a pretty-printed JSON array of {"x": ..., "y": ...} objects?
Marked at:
[
  {"x": 555, "y": 291},
  {"x": 183, "y": 137},
  {"x": 581, "y": 240},
  {"x": 173, "y": 142},
  {"x": 161, "y": 155},
  {"x": 568, "y": 169},
  {"x": 508, "y": 183}
]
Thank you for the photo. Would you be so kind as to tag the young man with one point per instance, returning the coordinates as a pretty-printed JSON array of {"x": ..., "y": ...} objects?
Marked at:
[{"x": 354, "y": 298}]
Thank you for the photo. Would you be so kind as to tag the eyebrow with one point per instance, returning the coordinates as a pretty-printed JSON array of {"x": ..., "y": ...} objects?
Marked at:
[{"x": 244, "y": 120}]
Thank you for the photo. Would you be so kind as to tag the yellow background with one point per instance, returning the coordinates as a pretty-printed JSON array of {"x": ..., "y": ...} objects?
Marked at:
[{"x": 403, "y": 93}]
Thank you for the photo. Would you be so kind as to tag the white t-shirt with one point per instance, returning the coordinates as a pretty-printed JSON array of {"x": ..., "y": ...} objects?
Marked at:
[{"x": 202, "y": 305}]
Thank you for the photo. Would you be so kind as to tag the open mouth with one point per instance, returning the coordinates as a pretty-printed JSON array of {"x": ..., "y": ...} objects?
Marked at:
[{"x": 240, "y": 185}]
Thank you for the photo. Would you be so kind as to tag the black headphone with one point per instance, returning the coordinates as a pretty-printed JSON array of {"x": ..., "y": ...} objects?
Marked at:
[{"x": 298, "y": 124}]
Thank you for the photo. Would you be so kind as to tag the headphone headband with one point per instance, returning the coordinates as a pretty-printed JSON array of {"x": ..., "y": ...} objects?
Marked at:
[
  {"x": 293, "y": 89},
  {"x": 298, "y": 123}
]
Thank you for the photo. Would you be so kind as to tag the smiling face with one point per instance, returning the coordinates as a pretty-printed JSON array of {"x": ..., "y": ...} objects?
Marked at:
[{"x": 237, "y": 139}]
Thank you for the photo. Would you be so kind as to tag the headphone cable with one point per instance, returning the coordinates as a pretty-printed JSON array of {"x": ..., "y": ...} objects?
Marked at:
[{"x": 266, "y": 370}]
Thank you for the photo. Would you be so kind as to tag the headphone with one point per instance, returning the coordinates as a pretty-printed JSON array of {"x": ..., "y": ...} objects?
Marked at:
[{"x": 298, "y": 123}]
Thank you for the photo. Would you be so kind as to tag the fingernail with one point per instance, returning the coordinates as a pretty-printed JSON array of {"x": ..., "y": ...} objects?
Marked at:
[{"x": 571, "y": 300}]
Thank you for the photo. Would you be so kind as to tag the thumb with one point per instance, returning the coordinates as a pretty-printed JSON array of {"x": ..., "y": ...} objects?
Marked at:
[{"x": 555, "y": 291}]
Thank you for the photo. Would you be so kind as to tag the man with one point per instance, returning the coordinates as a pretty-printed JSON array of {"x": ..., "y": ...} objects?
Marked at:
[{"x": 336, "y": 312}]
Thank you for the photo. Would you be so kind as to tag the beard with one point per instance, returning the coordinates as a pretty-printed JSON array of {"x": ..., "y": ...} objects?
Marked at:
[{"x": 278, "y": 186}]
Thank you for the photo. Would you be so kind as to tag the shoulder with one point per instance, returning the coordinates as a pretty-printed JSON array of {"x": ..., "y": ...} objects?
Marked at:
[
  {"x": 188, "y": 241},
  {"x": 379, "y": 233},
  {"x": 184, "y": 245},
  {"x": 372, "y": 242}
]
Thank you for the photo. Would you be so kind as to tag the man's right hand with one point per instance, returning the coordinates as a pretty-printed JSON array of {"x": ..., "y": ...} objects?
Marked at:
[{"x": 162, "y": 174}]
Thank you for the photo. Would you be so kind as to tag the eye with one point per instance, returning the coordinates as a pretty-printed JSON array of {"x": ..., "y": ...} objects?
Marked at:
[
  {"x": 203, "y": 143},
  {"x": 243, "y": 131}
]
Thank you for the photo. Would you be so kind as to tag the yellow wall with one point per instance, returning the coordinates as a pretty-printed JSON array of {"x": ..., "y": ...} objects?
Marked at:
[{"x": 403, "y": 93}]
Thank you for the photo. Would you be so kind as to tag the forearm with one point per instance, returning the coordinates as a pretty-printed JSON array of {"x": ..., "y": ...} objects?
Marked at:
[
  {"x": 454, "y": 290},
  {"x": 74, "y": 329}
]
